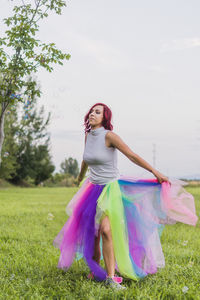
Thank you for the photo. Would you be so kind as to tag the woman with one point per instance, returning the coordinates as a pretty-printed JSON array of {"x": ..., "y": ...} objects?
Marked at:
[{"x": 127, "y": 213}]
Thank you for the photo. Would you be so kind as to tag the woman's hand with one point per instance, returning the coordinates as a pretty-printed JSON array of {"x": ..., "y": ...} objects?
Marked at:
[{"x": 161, "y": 178}]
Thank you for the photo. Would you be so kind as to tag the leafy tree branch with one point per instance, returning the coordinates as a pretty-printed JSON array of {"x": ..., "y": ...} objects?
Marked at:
[{"x": 22, "y": 54}]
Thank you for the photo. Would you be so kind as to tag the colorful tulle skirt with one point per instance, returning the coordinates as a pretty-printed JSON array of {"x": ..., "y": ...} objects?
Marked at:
[{"x": 137, "y": 211}]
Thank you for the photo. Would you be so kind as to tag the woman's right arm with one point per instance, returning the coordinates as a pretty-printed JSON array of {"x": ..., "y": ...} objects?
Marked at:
[
  {"x": 83, "y": 170},
  {"x": 84, "y": 167}
]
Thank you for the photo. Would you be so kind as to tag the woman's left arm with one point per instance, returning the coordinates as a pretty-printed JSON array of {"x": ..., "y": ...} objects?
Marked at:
[{"x": 113, "y": 140}]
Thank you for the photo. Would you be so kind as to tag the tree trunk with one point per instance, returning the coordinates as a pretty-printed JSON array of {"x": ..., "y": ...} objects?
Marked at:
[{"x": 2, "y": 117}]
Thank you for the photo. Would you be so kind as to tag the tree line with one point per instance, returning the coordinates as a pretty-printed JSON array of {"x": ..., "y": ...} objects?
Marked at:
[
  {"x": 26, "y": 158},
  {"x": 22, "y": 54},
  {"x": 24, "y": 140}
]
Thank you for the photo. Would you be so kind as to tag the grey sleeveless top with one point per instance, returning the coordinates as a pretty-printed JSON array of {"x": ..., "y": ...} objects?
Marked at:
[{"x": 102, "y": 161}]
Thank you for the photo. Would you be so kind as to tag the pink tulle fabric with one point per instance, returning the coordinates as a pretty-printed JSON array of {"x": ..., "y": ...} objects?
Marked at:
[{"x": 137, "y": 209}]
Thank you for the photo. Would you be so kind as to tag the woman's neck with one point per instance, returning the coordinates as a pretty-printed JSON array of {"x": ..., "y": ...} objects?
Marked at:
[{"x": 96, "y": 127}]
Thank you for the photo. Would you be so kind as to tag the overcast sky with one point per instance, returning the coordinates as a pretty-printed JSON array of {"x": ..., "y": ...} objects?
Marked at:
[{"x": 141, "y": 58}]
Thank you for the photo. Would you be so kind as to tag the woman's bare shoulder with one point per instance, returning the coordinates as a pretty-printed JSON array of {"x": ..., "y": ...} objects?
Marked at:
[
  {"x": 112, "y": 138},
  {"x": 110, "y": 134}
]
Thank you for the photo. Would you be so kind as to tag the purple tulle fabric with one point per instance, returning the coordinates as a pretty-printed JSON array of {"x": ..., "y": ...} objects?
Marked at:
[
  {"x": 137, "y": 210},
  {"x": 82, "y": 225}
]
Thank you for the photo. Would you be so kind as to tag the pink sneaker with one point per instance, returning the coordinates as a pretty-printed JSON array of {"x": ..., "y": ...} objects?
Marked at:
[{"x": 116, "y": 279}]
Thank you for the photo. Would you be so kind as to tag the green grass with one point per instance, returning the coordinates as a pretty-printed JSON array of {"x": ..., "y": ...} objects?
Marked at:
[{"x": 28, "y": 260}]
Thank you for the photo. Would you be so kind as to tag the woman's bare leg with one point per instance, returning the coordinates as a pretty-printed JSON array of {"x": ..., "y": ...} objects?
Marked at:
[
  {"x": 108, "y": 251},
  {"x": 97, "y": 251}
]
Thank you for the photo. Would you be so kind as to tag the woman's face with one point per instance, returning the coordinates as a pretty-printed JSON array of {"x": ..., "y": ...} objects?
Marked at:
[{"x": 96, "y": 116}]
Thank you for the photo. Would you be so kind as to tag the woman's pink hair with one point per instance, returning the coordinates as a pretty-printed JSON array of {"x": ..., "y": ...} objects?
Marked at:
[{"x": 107, "y": 116}]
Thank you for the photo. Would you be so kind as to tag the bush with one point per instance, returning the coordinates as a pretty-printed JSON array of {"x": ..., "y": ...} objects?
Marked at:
[
  {"x": 4, "y": 184},
  {"x": 60, "y": 180}
]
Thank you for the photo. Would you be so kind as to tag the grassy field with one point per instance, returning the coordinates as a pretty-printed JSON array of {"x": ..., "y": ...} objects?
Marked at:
[{"x": 31, "y": 218}]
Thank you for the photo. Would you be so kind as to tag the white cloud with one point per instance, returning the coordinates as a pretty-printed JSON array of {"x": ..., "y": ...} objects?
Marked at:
[
  {"x": 157, "y": 69},
  {"x": 180, "y": 44},
  {"x": 104, "y": 53}
]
